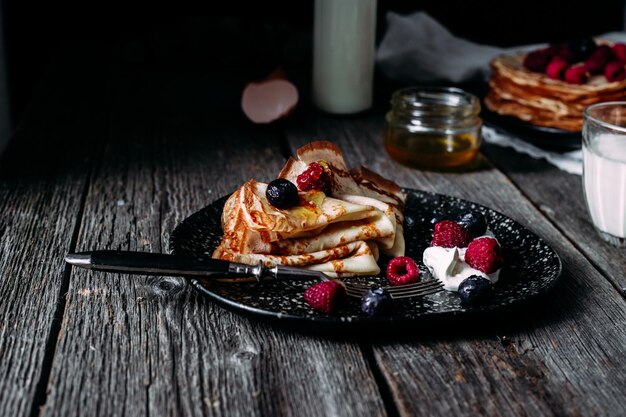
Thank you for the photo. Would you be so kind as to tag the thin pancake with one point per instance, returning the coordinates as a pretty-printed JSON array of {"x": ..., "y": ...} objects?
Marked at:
[
  {"x": 252, "y": 225},
  {"x": 354, "y": 258},
  {"x": 339, "y": 234},
  {"x": 535, "y": 98}
]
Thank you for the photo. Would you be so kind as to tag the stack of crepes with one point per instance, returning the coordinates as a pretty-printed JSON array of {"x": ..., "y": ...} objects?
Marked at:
[
  {"x": 339, "y": 235},
  {"x": 535, "y": 98}
]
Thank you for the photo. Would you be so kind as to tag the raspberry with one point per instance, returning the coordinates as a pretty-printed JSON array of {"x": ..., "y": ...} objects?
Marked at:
[
  {"x": 316, "y": 177},
  {"x": 567, "y": 53},
  {"x": 577, "y": 74},
  {"x": 619, "y": 50},
  {"x": 614, "y": 71},
  {"x": 449, "y": 234},
  {"x": 538, "y": 60},
  {"x": 325, "y": 296},
  {"x": 598, "y": 59},
  {"x": 402, "y": 270},
  {"x": 484, "y": 254},
  {"x": 556, "y": 68}
]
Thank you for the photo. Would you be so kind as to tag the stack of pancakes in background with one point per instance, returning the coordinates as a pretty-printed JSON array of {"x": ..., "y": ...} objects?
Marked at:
[{"x": 540, "y": 100}]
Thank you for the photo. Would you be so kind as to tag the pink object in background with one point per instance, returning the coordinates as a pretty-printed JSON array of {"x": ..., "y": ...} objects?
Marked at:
[{"x": 270, "y": 99}]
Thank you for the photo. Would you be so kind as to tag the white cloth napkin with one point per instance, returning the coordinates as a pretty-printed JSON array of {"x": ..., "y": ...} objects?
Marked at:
[
  {"x": 571, "y": 162},
  {"x": 418, "y": 49}
]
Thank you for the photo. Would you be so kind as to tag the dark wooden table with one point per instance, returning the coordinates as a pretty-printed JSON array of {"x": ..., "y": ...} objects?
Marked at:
[{"x": 115, "y": 156}]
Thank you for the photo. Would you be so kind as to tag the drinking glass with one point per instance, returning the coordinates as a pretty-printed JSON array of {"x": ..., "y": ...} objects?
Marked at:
[{"x": 604, "y": 169}]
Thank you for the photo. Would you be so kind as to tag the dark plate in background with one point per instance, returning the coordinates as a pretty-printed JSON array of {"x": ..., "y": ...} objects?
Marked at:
[
  {"x": 532, "y": 267},
  {"x": 547, "y": 138}
]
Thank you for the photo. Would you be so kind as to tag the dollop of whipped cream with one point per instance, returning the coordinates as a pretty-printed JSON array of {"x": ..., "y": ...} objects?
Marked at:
[{"x": 448, "y": 265}]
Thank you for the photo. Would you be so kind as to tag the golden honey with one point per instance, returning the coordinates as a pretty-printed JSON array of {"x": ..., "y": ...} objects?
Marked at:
[
  {"x": 309, "y": 207},
  {"x": 431, "y": 150},
  {"x": 433, "y": 127}
]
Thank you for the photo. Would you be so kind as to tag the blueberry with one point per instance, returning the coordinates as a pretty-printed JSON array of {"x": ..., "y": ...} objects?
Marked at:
[
  {"x": 474, "y": 222},
  {"x": 376, "y": 301},
  {"x": 282, "y": 193},
  {"x": 582, "y": 48},
  {"x": 475, "y": 290}
]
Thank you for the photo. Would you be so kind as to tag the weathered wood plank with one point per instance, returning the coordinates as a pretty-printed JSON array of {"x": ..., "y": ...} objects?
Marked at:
[
  {"x": 42, "y": 181},
  {"x": 150, "y": 346},
  {"x": 557, "y": 358},
  {"x": 561, "y": 199}
]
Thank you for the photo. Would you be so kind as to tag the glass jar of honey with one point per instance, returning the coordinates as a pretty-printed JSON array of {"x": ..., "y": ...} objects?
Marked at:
[{"x": 434, "y": 128}]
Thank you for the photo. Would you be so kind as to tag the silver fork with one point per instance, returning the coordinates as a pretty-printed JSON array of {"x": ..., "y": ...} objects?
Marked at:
[
  {"x": 417, "y": 289},
  {"x": 206, "y": 268}
]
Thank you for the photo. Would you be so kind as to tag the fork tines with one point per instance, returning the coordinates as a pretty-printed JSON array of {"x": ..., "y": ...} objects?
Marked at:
[
  {"x": 418, "y": 289},
  {"x": 415, "y": 290}
]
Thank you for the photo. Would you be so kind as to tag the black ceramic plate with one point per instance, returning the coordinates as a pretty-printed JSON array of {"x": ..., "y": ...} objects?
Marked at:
[
  {"x": 532, "y": 267},
  {"x": 548, "y": 138}
]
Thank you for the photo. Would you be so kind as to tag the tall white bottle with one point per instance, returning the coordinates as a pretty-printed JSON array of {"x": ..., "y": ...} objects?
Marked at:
[{"x": 344, "y": 36}]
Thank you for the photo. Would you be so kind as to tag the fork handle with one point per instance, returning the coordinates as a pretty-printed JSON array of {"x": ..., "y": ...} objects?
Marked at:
[{"x": 146, "y": 263}]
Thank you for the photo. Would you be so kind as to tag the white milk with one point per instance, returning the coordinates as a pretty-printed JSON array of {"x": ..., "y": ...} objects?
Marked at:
[
  {"x": 604, "y": 180},
  {"x": 343, "y": 54}
]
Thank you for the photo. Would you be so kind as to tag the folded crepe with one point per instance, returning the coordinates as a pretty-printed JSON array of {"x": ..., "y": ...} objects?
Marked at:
[{"x": 339, "y": 234}]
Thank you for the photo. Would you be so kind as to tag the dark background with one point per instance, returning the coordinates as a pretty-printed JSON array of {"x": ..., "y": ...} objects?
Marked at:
[{"x": 257, "y": 35}]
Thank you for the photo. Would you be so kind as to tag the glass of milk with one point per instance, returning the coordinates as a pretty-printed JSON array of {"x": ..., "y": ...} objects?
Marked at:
[{"x": 604, "y": 169}]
